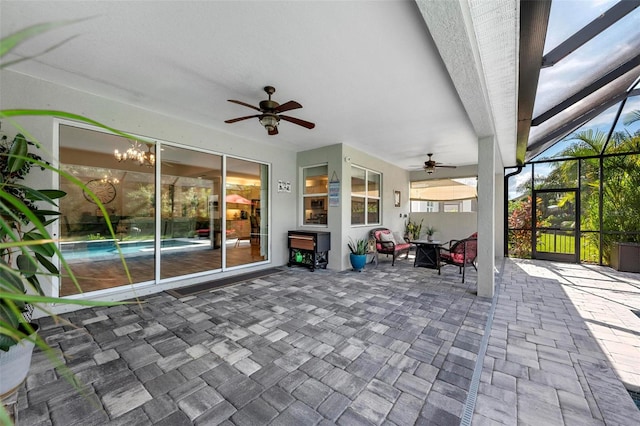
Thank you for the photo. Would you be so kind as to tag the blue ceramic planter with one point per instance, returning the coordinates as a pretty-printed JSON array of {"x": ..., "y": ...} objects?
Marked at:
[{"x": 358, "y": 261}]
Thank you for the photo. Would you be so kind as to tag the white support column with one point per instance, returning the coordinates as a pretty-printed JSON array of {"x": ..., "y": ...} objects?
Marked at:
[{"x": 486, "y": 216}]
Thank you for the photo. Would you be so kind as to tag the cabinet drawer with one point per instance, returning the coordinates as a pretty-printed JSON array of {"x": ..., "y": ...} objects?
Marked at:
[{"x": 301, "y": 242}]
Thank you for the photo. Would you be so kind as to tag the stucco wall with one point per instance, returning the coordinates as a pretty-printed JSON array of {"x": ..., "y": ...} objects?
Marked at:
[{"x": 340, "y": 158}]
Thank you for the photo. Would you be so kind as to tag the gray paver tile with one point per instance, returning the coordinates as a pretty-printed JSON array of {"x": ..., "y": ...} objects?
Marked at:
[
  {"x": 312, "y": 392},
  {"x": 297, "y": 414},
  {"x": 125, "y": 398},
  {"x": 135, "y": 417},
  {"x": 217, "y": 415},
  {"x": 537, "y": 412},
  {"x": 334, "y": 406},
  {"x": 164, "y": 383},
  {"x": 356, "y": 350},
  {"x": 159, "y": 407},
  {"x": 344, "y": 382},
  {"x": 371, "y": 406},
  {"x": 257, "y": 412},
  {"x": 241, "y": 391},
  {"x": 177, "y": 418},
  {"x": 79, "y": 409},
  {"x": 351, "y": 418},
  {"x": 406, "y": 409},
  {"x": 414, "y": 385},
  {"x": 278, "y": 398}
]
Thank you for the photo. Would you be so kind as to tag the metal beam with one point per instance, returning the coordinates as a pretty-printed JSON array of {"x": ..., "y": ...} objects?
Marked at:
[
  {"x": 572, "y": 124},
  {"x": 595, "y": 27},
  {"x": 534, "y": 18}
]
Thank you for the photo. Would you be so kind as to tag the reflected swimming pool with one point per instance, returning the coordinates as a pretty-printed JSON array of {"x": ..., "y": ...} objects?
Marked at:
[{"x": 106, "y": 249}]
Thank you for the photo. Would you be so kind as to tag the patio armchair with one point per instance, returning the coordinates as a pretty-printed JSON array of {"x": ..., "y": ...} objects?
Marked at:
[
  {"x": 460, "y": 253},
  {"x": 386, "y": 243}
]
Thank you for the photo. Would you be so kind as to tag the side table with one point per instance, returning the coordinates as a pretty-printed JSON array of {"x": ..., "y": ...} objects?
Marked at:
[{"x": 427, "y": 254}]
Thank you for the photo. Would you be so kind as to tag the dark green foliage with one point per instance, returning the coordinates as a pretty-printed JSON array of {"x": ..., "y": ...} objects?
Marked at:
[
  {"x": 26, "y": 249},
  {"x": 358, "y": 246}
]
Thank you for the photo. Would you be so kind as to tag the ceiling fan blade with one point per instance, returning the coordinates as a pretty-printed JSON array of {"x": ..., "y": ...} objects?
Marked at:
[
  {"x": 446, "y": 167},
  {"x": 274, "y": 131},
  {"x": 244, "y": 104},
  {"x": 287, "y": 106},
  {"x": 299, "y": 122},
  {"x": 233, "y": 120}
]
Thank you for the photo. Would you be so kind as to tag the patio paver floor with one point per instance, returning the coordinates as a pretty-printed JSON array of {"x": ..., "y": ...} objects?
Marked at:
[{"x": 391, "y": 345}]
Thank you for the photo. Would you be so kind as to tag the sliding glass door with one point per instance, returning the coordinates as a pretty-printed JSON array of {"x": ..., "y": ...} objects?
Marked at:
[
  {"x": 170, "y": 218},
  {"x": 190, "y": 218},
  {"x": 246, "y": 218}
]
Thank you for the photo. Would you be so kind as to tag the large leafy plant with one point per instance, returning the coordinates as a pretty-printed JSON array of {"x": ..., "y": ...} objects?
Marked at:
[
  {"x": 25, "y": 250},
  {"x": 26, "y": 246}
]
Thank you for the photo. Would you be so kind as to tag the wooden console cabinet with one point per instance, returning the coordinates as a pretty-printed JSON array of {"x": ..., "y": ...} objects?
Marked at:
[{"x": 309, "y": 248}]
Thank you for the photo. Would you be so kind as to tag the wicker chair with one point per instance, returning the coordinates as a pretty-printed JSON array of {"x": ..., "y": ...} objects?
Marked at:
[
  {"x": 460, "y": 253},
  {"x": 387, "y": 245}
]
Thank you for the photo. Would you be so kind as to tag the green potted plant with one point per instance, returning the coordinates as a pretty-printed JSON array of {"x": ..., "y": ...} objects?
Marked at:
[
  {"x": 358, "y": 255},
  {"x": 26, "y": 247},
  {"x": 413, "y": 229},
  {"x": 429, "y": 231},
  {"x": 25, "y": 250}
]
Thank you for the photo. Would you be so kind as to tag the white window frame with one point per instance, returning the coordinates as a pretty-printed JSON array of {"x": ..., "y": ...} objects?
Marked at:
[{"x": 367, "y": 197}]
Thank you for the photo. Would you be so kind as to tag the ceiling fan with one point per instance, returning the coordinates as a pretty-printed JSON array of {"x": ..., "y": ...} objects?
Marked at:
[
  {"x": 430, "y": 165},
  {"x": 270, "y": 113}
]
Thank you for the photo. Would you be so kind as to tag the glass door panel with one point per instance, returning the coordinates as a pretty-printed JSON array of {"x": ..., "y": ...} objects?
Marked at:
[
  {"x": 126, "y": 188},
  {"x": 246, "y": 215},
  {"x": 190, "y": 227},
  {"x": 555, "y": 235}
]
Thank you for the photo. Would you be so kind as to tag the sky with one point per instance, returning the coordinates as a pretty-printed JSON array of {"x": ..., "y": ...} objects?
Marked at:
[{"x": 604, "y": 52}]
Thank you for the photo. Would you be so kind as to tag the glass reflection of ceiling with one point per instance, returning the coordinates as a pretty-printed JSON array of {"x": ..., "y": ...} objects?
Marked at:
[{"x": 617, "y": 45}]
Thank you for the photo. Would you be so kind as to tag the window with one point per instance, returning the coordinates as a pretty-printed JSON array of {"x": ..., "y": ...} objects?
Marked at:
[
  {"x": 424, "y": 206},
  {"x": 444, "y": 195},
  {"x": 315, "y": 196},
  {"x": 365, "y": 196}
]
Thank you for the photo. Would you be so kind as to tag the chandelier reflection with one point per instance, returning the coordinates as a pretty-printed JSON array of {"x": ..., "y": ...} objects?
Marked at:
[
  {"x": 137, "y": 154},
  {"x": 110, "y": 179}
]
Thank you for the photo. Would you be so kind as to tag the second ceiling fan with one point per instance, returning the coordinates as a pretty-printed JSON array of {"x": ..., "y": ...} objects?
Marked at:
[
  {"x": 430, "y": 165},
  {"x": 270, "y": 113}
]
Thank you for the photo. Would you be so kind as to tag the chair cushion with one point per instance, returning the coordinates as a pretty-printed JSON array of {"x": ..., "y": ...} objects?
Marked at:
[
  {"x": 387, "y": 237},
  {"x": 399, "y": 239},
  {"x": 455, "y": 258}
]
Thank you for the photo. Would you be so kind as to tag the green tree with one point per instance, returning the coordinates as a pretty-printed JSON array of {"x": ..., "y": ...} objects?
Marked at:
[{"x": 620, "y": 183}]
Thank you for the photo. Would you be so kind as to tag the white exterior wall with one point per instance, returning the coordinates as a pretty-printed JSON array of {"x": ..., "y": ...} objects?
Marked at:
[{"x": 20, "y": 91}]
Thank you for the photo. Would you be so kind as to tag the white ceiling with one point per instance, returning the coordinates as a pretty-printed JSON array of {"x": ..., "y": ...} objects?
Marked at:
[{"x": 368, "y": 73}]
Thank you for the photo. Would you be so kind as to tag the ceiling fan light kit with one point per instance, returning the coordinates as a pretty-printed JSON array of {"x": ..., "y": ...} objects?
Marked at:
[
  {"x": 269, "y": 122},
  {"x": 430, "y": 165},
  {"x": 270, "y": 109}
]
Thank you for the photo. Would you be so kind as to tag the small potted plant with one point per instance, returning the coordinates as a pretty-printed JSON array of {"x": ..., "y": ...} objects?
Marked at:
[
  {"x": 429, "y": 231},
  {"x": 358, "y": 255}
]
